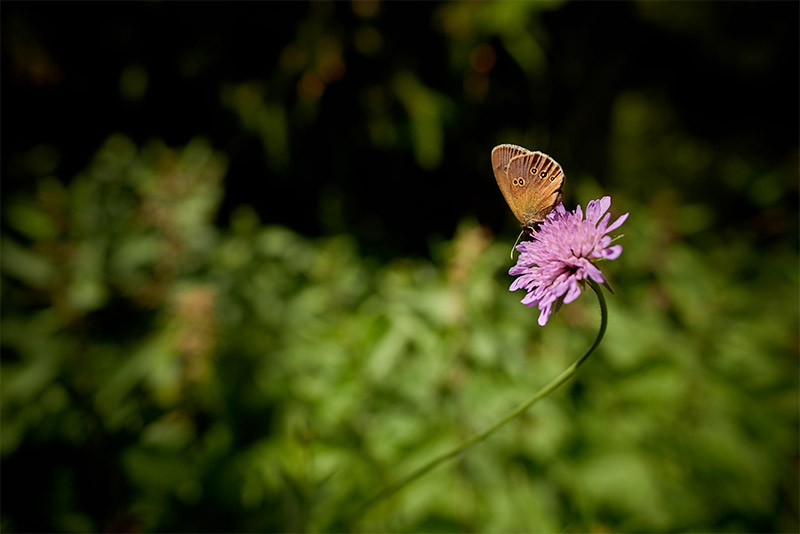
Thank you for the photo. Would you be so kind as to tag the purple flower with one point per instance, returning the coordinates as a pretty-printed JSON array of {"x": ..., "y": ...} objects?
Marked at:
[{"x": 563, "y": 254}]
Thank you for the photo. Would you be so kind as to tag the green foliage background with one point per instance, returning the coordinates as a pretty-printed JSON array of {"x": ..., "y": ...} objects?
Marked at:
[{"x": 175, "y": 358}]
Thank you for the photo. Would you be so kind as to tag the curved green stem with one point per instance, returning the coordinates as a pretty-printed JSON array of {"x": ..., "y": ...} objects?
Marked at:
[{"x": 550, "y": 387}]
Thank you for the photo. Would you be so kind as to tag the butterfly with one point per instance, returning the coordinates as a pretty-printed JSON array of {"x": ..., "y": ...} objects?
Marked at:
[{"x": 530, "y": 182}]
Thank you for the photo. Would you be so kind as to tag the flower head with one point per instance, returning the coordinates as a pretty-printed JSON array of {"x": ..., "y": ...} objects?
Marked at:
[{"x": 563, "y": 254}]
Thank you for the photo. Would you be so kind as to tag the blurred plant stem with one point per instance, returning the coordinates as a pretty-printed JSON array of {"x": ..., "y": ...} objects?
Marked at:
[{"x": 568, "y": 373}]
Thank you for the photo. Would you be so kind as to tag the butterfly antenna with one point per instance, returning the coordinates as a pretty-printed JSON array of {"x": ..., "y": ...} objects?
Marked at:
[{"x": 515, "y": 243}]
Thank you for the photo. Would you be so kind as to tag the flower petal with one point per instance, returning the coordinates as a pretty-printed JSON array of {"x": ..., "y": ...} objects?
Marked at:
[
  {"x": 543, "y": 318},
  {"x": 573, "y": 293},
  {"x": 616, "y": 224},
  {"x": 595, "y": 274},
  {"x": 601, "y": 226},
  {"x": 613, "y": 252},
  {"x": 596, "y": 208}
]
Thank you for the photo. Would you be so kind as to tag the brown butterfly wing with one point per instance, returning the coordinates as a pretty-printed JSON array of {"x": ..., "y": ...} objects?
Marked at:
[
  {"x": 535, "y": 181},
  {"x": 501, "y": 156}
]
